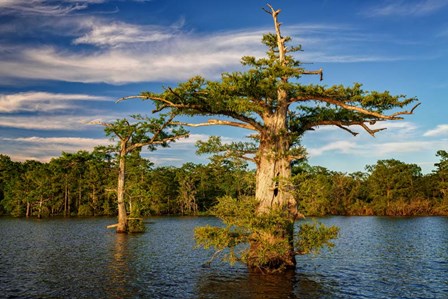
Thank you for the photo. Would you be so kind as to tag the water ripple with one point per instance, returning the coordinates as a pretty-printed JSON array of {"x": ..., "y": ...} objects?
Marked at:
[{"x": 375, "y": 257}]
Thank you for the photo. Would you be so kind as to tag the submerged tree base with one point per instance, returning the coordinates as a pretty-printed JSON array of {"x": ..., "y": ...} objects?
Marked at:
[
  {"x": 134, "y": 225},
  {"x": 264, "y": 242}
]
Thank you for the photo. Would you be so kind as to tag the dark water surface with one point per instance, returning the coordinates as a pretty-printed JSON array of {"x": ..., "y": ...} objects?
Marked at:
[{"x": 375, "y": 257}]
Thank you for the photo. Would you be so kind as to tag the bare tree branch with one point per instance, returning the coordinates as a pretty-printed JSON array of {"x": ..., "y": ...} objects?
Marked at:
[
  {"x": 165, "y": 124},
  {"x": 345, "y": 124},
  {"x": 131, "y": 97},
  {"x": 348, "y": 130},
  {"x": 296, "y": 157},
  {"x": 218, "y": 122},
  {"x": 380, "y": 116},
  {"x": 318, "y": 72},
  {"x": 98, "y": 122},
  {"x": 370, "y": 131},
  {"x": 241, "y": 155}
]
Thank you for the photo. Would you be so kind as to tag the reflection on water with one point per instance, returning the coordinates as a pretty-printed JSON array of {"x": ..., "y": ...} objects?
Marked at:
[
  {"x": 119, "y": 271},
  {"x": 375, "y": 257},
  {"x": 215, "y": 284}
]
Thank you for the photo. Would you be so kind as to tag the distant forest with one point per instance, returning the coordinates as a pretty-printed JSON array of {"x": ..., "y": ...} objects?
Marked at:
[{"x": 84, "y": 184}]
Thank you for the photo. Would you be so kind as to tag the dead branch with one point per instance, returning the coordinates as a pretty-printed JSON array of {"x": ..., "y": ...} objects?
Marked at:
[
  {"x": 98, "y": 122},
  {"x": 370, "y": 131},
  {"x": 156, "y": 134},
  {"x": 217, "y": 122},
  {"x": 379, "y": 116},
  {"x": 131, "y": 97},
  {"x": 318, "y": 72},
  {"x": 348, "y": 130},
  {"x": 345, "y": 124},
  {"x": 296, "y": 157}
]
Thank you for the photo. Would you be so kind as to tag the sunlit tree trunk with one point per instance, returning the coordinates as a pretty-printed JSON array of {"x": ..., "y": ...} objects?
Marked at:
[
  {"x": 39, "y": 215},
  {"x": 66, "y": 199},
  {"x": 28, "y": 209},
  {"x": 273, "y": 186},
  {"x": 122, "y": 214}
]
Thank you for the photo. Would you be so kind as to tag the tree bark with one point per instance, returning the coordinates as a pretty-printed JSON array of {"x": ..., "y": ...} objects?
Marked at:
[
  {"x": 122, "y": 215},
  {"x": 65, "y": 197},
  {"x": 273, "y": 186},
  {"x": 28, "y": 209},
  {"x": 39, "y": 214}
]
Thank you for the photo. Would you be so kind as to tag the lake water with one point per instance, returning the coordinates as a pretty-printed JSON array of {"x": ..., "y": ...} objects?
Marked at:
[{"x": 374, "y": 257}]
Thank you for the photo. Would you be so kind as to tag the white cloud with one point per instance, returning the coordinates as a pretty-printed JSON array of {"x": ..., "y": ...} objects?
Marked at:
[
  {"x": 45, "y": 122},
  {"x": 41, "y": 101},
  {"x": 60, "y": 141},
  {"x": 379, "y": 150},
  {"x": 178, "y": 59},
  {"x": 125, "y": 52},
  {"x": 400, "y": 129},
  {"x": 395, "y": 148},
  {"x": 41, "y": 7},
  {"x": 155, "y": 54},
  {"x": 439, "y": 130},
  {"x": 45, "y": 148},
  {"x": 337, "y": 146},
  {"x": 408, "y": 8},
  {"x": 121, "y": 34}
]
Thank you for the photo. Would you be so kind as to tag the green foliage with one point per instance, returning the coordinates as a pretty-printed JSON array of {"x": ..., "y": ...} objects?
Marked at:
[
  {"x": 145, "y": 131},
  {"x": 261, "y": 241},
  {"x": 313, "y": 191},
  {"x": 85, "y": 210},
  {"x": 233, "y": 150},
  {"x": 136, "y": 226},
  {"x": 79, "y": 180},
  {"x": 312, "y": 237},
  {"x": 391, "y": 181},
  {"x": 442, "y": 173}
]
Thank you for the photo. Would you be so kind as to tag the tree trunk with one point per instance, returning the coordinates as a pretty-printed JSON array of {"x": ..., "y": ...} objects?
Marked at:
[
  {"x": 122, "y": 215},
  {"x": 79, "y": 193},
  {"x": 65, "y": 197},
  {"x": 39, "y": 214},
  {"x": 273, "y": 186},
  {"x": 28, "y": 209}
]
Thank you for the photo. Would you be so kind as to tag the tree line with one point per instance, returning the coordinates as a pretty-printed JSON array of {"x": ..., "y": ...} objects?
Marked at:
[{"x": 84, "y": 184}]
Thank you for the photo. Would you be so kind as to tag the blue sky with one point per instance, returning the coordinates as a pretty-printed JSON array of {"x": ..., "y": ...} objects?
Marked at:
[{"x": 64, "y": 63}]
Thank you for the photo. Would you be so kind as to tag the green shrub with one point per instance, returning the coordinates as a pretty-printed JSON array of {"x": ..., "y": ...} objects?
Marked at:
[
  {"x": 85, "y": 210},
  {"x": 262, "y": 241}
]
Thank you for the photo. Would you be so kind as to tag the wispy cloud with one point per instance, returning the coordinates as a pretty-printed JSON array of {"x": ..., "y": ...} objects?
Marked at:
[
  {"x": 379, "y": 150},
  {"x": 60, "y": 141},
  {"x": 132, "y": 53},
  {"x": 440, "y": 130},
  {"x": 177, "y": 59},
  {"x": 47, "y": 123},
  {"x": 42, "y": 7},
  {"x": 45, "y": 148},
  {"x": 114, "y": 34},
  {"x": 41, "y": 101},
  {"x": 338, "y": 146},
  {"x": 407, "y": 8},
  {"x": 395, "y": 148}
]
